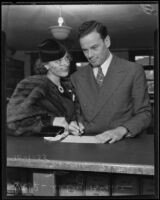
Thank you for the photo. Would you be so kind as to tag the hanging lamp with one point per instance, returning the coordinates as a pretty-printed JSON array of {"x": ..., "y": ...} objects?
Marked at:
[{"x": 60, "y": 32}]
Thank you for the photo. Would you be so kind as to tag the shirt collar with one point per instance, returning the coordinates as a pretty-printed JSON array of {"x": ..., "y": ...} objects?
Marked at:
[{"x": 106, "y": 64}]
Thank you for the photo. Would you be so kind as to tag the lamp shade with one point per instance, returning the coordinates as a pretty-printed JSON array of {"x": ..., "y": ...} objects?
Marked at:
[{"x": 60, "y": 32}]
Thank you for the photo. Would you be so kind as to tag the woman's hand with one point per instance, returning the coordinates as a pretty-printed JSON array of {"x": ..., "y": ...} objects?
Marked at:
[
  {"x": 76, "y": 128},
  {"x": 61, "y": 121}
]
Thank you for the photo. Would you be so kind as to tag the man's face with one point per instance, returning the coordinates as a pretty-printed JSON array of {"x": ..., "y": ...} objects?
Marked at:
[{"x": 95, "y": 48}]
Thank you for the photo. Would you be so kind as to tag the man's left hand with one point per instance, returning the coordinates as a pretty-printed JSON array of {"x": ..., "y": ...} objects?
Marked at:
[{"x": 112, "y": 135}]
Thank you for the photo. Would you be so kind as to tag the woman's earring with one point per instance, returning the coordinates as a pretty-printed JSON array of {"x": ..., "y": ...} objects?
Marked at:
[{"x": 46, "y": 66}]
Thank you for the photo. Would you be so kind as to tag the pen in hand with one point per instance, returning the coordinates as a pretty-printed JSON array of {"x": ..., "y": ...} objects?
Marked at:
[
  {"x": 80, "y": 130},
  {"x": 76, "y": 128},
  {"x": 79, "y": 126}
]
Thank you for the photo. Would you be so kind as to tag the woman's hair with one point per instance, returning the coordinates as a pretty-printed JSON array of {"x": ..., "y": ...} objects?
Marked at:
[
  {"x": 89, "y": 26},
  {"x": 39, "y": 67}
]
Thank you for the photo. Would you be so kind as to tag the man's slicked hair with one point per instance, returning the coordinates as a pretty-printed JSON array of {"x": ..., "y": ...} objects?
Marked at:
[{"x": 89, "y": 26}]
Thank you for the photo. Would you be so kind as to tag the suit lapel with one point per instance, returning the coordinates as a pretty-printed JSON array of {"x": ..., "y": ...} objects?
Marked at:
[
  {"x": 115, "y": 75},
  {"x": 88, "y": 86}
]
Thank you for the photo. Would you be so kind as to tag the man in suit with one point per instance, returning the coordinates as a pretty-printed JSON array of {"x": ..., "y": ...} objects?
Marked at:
[{"x": 115, "y": 105}]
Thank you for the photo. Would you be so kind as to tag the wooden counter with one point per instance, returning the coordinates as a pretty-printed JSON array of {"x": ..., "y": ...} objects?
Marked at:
[{"x": 129, "y": 156}]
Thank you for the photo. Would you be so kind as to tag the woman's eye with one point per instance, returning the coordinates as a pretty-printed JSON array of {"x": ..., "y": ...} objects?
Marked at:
[{"x": 95, "y": 47}]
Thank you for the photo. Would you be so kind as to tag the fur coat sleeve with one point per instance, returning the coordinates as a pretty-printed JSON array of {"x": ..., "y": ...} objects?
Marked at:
[{"x": 33, "y": 106}]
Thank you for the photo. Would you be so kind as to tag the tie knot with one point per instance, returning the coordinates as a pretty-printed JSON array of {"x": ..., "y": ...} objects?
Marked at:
[{"x": 100, "y": 76}]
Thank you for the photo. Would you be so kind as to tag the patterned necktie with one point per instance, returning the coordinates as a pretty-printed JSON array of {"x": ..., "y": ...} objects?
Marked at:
[{"x": 100, "y": 76}]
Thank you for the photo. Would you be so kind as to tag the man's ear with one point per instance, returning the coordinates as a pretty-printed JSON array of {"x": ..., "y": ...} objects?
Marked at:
[{"x": 107, "y": 41}]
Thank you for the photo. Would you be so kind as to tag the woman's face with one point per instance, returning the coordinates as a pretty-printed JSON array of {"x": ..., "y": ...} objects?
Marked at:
[{"x": 59, "y": 67}]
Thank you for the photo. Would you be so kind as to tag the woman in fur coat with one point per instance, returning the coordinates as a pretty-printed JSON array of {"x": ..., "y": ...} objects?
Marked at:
[{"x": 41, "y": 102}]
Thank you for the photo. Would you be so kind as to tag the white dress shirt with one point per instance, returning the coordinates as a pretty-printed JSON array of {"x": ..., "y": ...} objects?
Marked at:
[{"x": 104, "y": 66}]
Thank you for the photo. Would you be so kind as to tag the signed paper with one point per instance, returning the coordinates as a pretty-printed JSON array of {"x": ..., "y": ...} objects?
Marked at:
[{"x": 80, "y": 139}]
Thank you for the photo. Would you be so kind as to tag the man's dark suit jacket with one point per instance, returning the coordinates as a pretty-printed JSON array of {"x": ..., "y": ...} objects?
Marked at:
[{"x": 122, "y": 100}]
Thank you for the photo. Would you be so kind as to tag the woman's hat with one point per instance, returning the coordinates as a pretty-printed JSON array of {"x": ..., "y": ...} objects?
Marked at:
[{"x": 50, "y": 50}]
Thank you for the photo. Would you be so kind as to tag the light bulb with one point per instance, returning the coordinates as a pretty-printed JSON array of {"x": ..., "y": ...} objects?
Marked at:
[{"x": 60, "y": 21}]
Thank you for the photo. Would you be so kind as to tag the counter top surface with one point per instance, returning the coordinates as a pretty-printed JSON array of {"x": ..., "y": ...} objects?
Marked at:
[{"x": 130, "y": 155}]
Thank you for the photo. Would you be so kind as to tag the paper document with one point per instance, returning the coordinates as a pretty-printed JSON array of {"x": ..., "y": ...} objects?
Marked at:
[
  {"x": 80, "y": 139},
  {"x": 57, "y": 137}
]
